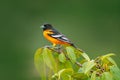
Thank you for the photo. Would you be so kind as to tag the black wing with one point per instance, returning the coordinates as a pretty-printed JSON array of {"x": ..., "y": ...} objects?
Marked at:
[{"x": 60, "y": 36}]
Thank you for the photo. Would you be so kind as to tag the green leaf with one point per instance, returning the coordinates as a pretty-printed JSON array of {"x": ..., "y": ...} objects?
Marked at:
[
  {"x": 39, "y": 63},
  {"x": 66, "y": 64},
  {"x": 106, "y": 76},
  {"x": 107, "y": 55},
  {"x": 85, "y": 56},
  {"x": 62, "y": 58},
  {"x": 64, "y": 73},
  {"x": 111, "y": 61},
  {"x": 93, "y": 76},
  {"x": 49, "y": 59},
  {"x": 70, "y": 53},
  {"x": 38, "y": 58},
  {"x": 106, "y": 59},
  {"x": 79, "y": 76},
  {"x": 115, "y": 72},
  {"x": 87, "y": 66}
]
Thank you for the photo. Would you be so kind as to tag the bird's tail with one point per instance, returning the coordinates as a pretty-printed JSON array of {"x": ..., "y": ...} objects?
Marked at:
[
  {"x": 73, "y": 45},
  {"x": 77, "y": 48}
]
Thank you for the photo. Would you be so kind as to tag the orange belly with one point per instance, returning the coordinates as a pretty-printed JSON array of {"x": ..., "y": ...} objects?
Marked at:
[{"x": 53, "y": 40}]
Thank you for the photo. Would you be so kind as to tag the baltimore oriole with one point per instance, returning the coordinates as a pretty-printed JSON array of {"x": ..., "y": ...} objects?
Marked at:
[{"x": 54, "y": 36}]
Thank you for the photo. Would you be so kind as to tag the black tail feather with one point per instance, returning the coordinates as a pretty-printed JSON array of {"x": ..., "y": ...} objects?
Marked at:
[
  {"x": 73, "y": 45},
  {"x": 77, "y": 48}
]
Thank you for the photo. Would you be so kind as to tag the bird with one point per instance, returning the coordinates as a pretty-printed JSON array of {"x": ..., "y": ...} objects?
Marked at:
[{"x": 54, "y": 36}]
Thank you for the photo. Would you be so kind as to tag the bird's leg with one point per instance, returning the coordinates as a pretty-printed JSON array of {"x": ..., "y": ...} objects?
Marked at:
[
  {"x": 53, "y": 48},
  {"x": 59, "y": 48},
  {"x": 54, "y": 45},
  {"x": 50, "y": 46}
]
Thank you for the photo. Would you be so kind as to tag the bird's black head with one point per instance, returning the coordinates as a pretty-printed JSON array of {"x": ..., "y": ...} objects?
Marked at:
[{"x": 46, "y": 26}]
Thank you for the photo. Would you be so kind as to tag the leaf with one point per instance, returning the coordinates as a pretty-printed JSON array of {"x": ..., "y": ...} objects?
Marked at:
[
  {"x": 49, "y": 59},
  {"x": 93, "y": 76},
  {"x": 63, "y": 73},
  {"x": 107, "y": 55},
  {"x": 79, "y": 76},
  {"x": 62, "y": 58},
  {"x": 70, "y": 53},
  {"x": 66, "y": 64},
  {"x": 112, "y": 61},
  {"x": 85, "y": 56},
  {"x": 39, "y": 63},
  {"x": 115, "y": 72},
  {"x": 106, "y": 76},
  {"x": 98, "y": 78},
  {"x": 87, "y": 66},
  {"x": 106, "y": 59},
  {"x": 37, "y": 57}
]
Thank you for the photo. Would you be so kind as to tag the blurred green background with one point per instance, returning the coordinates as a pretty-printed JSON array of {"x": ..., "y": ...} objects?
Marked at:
[{"x": 93, "y": 25}]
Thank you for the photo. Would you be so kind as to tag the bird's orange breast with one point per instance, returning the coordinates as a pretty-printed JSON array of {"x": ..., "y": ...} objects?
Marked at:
[{"x": 52, "y": 39}]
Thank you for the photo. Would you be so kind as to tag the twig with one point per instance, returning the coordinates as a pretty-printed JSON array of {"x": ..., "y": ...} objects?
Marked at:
[{"x": 59, "y": 52}]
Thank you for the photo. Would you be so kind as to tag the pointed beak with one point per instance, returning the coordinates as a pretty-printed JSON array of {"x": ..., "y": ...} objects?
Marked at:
[{"x": 42, "y": 26}]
